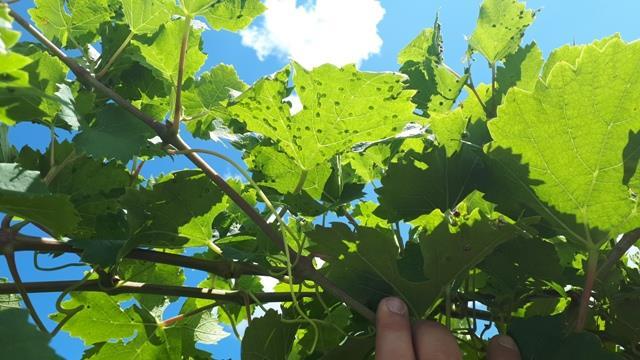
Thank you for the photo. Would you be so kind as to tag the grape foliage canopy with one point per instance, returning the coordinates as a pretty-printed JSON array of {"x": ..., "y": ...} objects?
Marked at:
[{"x": 507, "y": 206}]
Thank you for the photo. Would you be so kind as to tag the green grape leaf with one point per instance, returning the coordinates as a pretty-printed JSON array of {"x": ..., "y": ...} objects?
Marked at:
[
  {"x": 341, "y": 107},
  {"x": 12, "y": 75},
  {"x": 146, "y": 16},
  {"x": 93, "y": 186},
  {"x": 623, "y": 321},
  {"x": 100, "y": 252},
  {"x": 364, "y": 213},
  {"x": 8, "y": 36},
  {"x": 268, "y": 338},
  {"x": 45, "y": 73},
  {"x": 371, "y": 163},
  {"x": 441, "y": 182},
  {"x": 161, "y": 53},
  {"x": 521, "y": 69},
  {"x": 194, "y": 7},
  {"x": 449, "y": 250},
  {"x": 154, "y": 344},
  {"x": 152, "y": 273},
  {"x": 43, "y": 98},
  {"x": 422, "y": 61},
  {"x": 565, "y": 158},
  {"x": 178, "y": 211},
  {"x": 231, "y": 15},
  {"x": 20, "y": 339},
  {"x": 366, "y": 263},
  {"x": 76, "y": 27},
  {"x": 205, "y": 99},
  {"x": 328, "y": 338},
  {"x": 67, "y": 114},
  {"x": 342, "y": 186},
  {"x": 151, "y": 341},
  {"x": 205, "y": 328},
  {"x": 449, "y": 129},
  {"x": 546, "y": 338},
  {"x": 360, "y": 347},
  {"x": 501, "y": 26},
  {"x": 571, "y": 53},
  {"x": 24, "y": 194},
  {"x": 276, "y": 170},
  {"x": 101, "y": 318},
  {"x": 513, "y": 263},
  {"x": 427, "y": 45},
  {"x": 115, "y": 134}
]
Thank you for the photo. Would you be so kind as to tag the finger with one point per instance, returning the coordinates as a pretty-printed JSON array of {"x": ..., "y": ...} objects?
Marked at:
[
  {"x": 433, "y": 341},
  {"x": 393, "y": 337},
  {"x": 502, "y": 347}
]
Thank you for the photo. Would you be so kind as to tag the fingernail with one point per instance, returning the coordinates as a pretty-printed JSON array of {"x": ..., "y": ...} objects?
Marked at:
[
  {"x": 507, "y": 342},
  {"x": 395, "y": 305}
]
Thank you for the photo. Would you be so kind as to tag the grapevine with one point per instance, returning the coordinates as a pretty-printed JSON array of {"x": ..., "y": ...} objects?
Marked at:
[{"x": 507, "y": 207}]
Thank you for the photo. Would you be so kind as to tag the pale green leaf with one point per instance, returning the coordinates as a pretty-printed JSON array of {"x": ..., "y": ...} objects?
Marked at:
[
  {"x": 151, "y": 341},
  {"x": 196, "y": 7},
  {"x": 8, "y": 36},
  {"x": 233, "y": 15},
  {"x": 501, "y": 26},
  {"x": 146, "y": 16},
  {"x": 72, "y": 22},
  {"x": 162, "y": 52},
  {"x": 341, "y": 107},
  {"x": 100, "y": 319},
  {"x": 449, "y": 129},
  {"x": 205, "y": 99},
  {"x": 426, "y": 45},
  {"x": 276, "y": 170},
  {"x": 571, "y": 53},
  {"x": 363, "y": 212},
  {"x": 563, "y": 145},
  {"x": 36, "y": 100},
  {"x": 422, "y": 61},
  {"x": 521, "y": 69},
  {"x": 204, "y": 328}
]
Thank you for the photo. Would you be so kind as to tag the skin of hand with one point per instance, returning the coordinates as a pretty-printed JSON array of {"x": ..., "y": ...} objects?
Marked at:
[{"x": 397, "y": 339}]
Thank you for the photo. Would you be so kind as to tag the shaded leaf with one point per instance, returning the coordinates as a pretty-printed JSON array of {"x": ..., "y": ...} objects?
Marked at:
[
  {"x": 20, "y": 339},
  {"x": 115, "y": 134},
  {"x": 23, "y": 194},
  {"x": 268, "y": 338}
]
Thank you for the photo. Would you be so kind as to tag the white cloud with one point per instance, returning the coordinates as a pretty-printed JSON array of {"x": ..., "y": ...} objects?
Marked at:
[{"x": 339, "y": 32}]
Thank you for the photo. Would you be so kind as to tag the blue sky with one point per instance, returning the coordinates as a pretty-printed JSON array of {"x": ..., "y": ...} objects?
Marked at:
[{"x": 559, "y": 23}]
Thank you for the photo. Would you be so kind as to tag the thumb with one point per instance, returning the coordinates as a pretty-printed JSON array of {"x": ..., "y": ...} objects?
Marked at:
[{"x": 503, "y": 347}]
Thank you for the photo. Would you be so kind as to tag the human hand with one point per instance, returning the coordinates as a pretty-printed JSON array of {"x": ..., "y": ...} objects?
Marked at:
[{"x": 396, "y": 339}]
